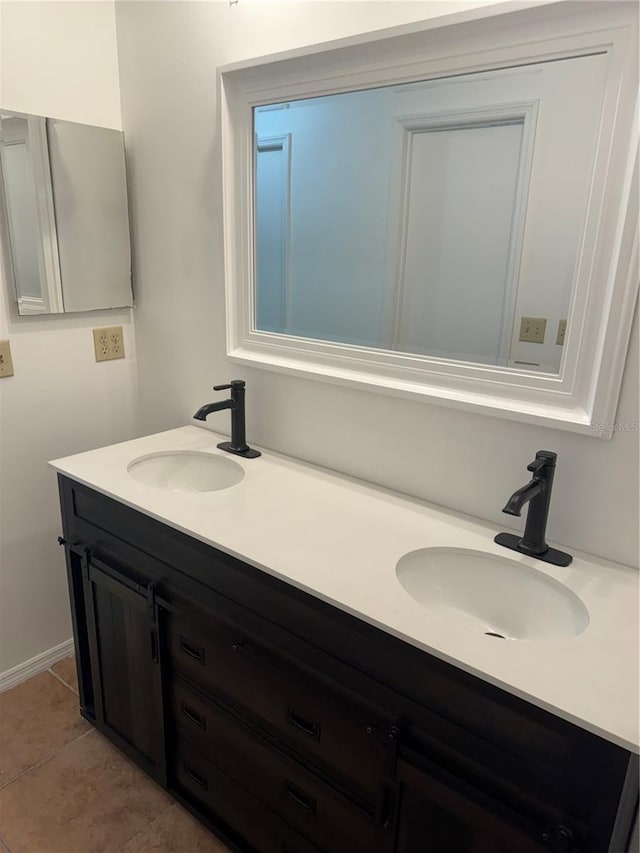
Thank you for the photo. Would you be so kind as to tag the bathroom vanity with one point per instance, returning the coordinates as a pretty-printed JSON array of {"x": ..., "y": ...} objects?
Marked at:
[{"x": 254, "y": 651}]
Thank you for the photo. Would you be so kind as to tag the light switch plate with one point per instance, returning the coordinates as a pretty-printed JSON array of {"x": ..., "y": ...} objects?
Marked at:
[
  {"x": 562, "y": 330},
  {"x": 108, "y": 343},
  {"x": 6, "y": 362},
  {"x": 532, "y": 329}
]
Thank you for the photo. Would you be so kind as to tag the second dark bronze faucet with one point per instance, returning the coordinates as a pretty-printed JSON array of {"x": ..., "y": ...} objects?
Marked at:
[{"x": 537, "y": 492}]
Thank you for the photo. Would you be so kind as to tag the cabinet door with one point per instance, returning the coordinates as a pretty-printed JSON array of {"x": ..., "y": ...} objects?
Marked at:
[
  {"x": 439, "y": 814},
  {"x": 123, "y": 639}
]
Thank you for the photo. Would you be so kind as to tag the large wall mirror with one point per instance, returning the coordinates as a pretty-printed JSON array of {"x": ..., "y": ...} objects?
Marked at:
[
  {"x": 63, "y": 195},
  {"x": 409, "y": 217},
  {"x": 448, "y": 213}
]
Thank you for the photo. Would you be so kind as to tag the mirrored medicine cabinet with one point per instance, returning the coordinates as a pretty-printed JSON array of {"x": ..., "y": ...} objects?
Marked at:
[
  {"x": 446, "y": 213},
  {"x": 63, "y": 196}
]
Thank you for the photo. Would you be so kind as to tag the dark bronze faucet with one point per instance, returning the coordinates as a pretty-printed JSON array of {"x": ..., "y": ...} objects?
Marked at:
[
  {"x": 238, "y": 443},
  {"x": 538, "y": 493}
]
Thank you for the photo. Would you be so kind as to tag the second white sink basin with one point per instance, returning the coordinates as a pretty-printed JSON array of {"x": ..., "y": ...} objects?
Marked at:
[
  {"x": 186, "y": 471},
  {"x": 493, "y": 595}
]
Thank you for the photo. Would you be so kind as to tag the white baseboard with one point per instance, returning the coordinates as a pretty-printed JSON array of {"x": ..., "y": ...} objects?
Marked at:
[{"x": 35, "y": 665}]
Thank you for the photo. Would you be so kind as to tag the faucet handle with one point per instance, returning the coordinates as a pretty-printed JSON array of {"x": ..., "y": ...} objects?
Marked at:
[
  {"x": 544, "y": 459},
  {"x": 235, "y": 383}
]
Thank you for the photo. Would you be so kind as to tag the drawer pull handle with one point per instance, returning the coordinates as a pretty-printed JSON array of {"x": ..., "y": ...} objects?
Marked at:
[
  {"x": 196, "y": 777},
  {"x": 194, "y": 716},
  {"x": 298, "y": 796},
  {"x": 309, "y": 727},
  {"x": 195, "y": 652}
]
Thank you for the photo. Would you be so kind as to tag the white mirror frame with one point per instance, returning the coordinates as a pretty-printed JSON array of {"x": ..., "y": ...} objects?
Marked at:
[{"x": 583, "y": 396}]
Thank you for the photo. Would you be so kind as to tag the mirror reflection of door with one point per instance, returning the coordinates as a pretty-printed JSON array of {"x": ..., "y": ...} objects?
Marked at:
[
  {"x": 441, "y": 218},
  {"x": 22, "y": 216},
  {"x": 272, "y": 233},
  {"x": 455, "y": 282},
  {"x": 29, "y": 211}
]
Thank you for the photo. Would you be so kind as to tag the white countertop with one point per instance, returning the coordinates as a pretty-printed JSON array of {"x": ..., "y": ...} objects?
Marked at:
[{"x": 339, "y": 539}]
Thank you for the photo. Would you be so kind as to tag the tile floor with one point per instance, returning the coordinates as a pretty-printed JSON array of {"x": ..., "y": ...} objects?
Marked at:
[{"x": 65, "y": 789}]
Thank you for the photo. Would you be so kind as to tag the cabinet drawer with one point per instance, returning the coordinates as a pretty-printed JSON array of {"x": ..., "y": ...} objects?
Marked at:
[
  {"x": 439, "y": 812},
  {"x": 301, "y": 798},
  {"x": 219, "y": 797},
  {"x": 330, "y": 733}
]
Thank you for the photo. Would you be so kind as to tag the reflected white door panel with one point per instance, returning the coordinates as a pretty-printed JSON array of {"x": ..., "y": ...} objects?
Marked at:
[
  {"x": 27, "y": 200},
  {"x": 22, "y": 218},
  {"x": 456, "y": 285},
  {"x": 272, "y": 233}
]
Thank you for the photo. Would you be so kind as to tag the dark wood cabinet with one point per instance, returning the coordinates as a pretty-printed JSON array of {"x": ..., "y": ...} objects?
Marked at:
[
  {"x": 307, "y": 802},
  {"x": 242, "y": 819},
  {"x": 124, "y": 650},
  {"x": 339, "y": 736},
  {"x": 288, "y": 726}
]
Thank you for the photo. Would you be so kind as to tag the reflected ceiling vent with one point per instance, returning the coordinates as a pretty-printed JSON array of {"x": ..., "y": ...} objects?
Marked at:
[{"x": 269, "y": 108}]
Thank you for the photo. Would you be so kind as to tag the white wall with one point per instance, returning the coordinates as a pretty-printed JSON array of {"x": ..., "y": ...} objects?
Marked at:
[
  {"x": 56, "y": 59},
  {"x": 168, "y": 57}
]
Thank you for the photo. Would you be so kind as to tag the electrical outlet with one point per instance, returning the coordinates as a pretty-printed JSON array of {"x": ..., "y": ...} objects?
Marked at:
[
  {"x": 532, "y": 329},
  {"x": 108, "y": 343},
  {"x": 562, "y": 329},
  {"x": 6, "y": 362}
]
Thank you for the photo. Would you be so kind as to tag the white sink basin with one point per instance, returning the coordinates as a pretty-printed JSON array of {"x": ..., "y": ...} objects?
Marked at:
[
  {"x": 492, "y": 595},
  {"x": 186, "y": 471}
]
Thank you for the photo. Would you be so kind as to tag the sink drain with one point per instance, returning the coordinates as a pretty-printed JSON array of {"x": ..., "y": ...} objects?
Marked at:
[{"x": 494, "y": 634}]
